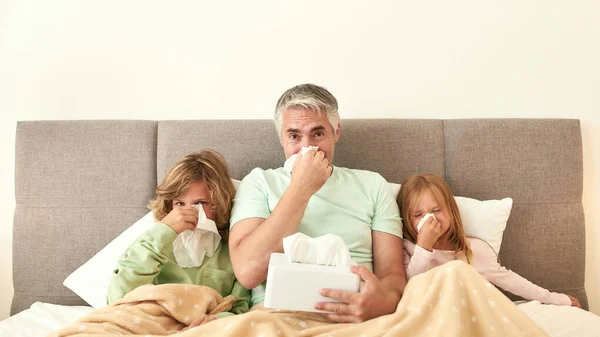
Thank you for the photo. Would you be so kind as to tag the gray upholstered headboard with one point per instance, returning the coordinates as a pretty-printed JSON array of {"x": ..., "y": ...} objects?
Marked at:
[{"x": 80, "y": 183}]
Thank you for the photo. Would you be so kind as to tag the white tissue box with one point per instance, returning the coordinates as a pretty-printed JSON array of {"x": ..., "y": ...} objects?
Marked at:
[{"x": 296, "y": 286}]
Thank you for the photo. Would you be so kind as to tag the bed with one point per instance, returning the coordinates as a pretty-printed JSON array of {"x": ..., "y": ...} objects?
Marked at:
[{"x": 79, "y": 184}]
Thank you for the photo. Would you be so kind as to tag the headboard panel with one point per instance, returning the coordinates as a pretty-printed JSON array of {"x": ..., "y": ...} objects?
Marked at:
[
  {"x": 395, "y": 148},
  {"x": 538, "y": 163},
  {"x": 531, "y": 160},
  {"x": 77, "y": 186},
  {"x": 80, "y": 183},
  {"x": 244, "y": 144}
]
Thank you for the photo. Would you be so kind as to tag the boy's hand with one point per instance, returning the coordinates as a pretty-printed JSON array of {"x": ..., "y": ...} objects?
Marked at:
[
  {"x": 181, "y": 218},
  {"x": 429, "y": 233}
]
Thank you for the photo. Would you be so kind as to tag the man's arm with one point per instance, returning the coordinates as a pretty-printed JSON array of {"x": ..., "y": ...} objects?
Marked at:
[
  {"x": 388, "y": 266},
  {"x": 388, "y": 249},
  {"x": 384, "y": 286},
  {"x": 251, "y": 241}
]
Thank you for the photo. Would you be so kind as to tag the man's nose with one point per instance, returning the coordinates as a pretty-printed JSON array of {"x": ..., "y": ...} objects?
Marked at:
[{"x": 306, "y": 142}]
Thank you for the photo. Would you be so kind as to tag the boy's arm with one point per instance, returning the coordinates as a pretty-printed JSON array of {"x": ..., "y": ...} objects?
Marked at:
[
  {"x": 141, "y": 262},
  {"x": 242, "y": 301}
]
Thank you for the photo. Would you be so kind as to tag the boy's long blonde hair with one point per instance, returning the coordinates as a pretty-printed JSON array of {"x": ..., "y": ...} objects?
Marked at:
[
  {"x": 208, "y": 166},
  {"x": 412, "y": 190}
]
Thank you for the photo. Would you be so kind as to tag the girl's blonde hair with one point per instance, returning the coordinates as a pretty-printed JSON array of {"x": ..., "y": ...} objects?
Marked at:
[
  {"x": 208, "y": 166},
  {"x": 412, "y": 190}
]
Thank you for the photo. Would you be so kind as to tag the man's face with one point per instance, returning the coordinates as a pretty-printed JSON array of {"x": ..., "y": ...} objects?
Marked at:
[{"x": 302, "y": 128}]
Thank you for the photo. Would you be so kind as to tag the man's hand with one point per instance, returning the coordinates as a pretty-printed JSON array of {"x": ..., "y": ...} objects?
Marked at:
[
  {"x": 373, "y": 301},
  {"x": 310, "y": 172},
  {"x": 181, "y": 218}
]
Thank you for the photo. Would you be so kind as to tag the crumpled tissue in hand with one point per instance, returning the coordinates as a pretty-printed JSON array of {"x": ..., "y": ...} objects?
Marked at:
[
  {"x": 422, "y": 222},
  {"x": 190, "y": 247},
  {"x": 327, "y": 250},
  {"x": 289, "y": 163}
]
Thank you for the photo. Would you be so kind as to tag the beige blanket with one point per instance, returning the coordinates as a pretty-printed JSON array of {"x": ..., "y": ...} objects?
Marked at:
[{"x": 450, "y": 300}]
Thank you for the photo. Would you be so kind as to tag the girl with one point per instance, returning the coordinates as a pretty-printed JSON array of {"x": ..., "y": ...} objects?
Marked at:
[
  {"x": 198, "y": 179},
  {"x": 442, "y": 239}
]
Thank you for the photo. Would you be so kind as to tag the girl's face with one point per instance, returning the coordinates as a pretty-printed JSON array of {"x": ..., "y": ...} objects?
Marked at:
[
  {"x": 429, "y": 204},
  {"x": 196, "y": 194}
]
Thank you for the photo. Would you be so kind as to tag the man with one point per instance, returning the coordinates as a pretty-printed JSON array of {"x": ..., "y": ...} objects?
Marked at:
[{"x": 318, "y": 199}]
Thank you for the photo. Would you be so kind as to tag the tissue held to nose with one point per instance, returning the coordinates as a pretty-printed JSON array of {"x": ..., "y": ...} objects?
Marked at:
[
  {"x": 289, "y": 163},
  {"x": 190, "y": 247},
  {"x": 423, "y": 220}
]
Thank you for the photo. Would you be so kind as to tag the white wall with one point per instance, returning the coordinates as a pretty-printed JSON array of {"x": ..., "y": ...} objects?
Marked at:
[{"x": 219, "y": 59}]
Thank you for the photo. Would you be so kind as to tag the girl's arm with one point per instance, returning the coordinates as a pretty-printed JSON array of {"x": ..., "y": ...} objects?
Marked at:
[
  {"x": 141, "y": 263},
  {"x": 417, "y": 260},
  {"x": 485, "y": 261}
]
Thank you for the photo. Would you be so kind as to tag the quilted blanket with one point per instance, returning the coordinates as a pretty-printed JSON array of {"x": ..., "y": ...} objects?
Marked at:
[{"x": 450, "y": 300}]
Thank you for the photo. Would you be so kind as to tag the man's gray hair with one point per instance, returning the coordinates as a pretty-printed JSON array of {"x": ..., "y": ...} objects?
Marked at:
[{"x": 311, "y": 97}]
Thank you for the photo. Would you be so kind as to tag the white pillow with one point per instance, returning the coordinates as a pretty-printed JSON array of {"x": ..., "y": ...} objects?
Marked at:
[
  {"x": 395, "y": 189},
  {"x": 91, "y": 280},
  {"x": 483, "y": 219}
]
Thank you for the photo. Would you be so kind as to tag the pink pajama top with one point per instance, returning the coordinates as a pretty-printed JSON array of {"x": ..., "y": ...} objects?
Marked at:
[{"x": 418, "y": 260}]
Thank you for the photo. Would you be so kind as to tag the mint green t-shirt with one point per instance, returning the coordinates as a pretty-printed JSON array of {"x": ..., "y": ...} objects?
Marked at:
[{"x": 351, "y": 204}]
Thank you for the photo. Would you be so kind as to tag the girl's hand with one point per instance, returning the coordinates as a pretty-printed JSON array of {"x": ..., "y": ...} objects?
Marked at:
[
  {"x": 181, "y": 218},
  {"x": 574, "y": 302},
  {"x": 429, "y": 233}
]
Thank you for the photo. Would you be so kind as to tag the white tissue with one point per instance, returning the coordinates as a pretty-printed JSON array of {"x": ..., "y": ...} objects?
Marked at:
[
  {"x": 326, "y": 250},
  {"x": 422, "y": 222},
  {"x": 289, "y": 163},
  {"x": 190, "y": 247}
]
